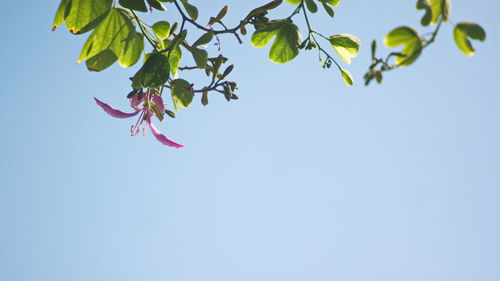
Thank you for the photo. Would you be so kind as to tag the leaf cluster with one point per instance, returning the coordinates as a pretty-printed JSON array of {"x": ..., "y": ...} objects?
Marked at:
[
  {"x": 436, "y": 12},
  {"x": 118, "y": 34}
]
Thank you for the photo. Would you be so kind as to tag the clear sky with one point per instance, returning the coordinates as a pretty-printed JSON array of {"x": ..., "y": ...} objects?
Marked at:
[{"x": 303, "y": 178}]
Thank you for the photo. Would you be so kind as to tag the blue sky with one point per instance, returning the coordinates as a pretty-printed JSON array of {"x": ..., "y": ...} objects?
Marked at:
[{"x": 303, "y": 178}]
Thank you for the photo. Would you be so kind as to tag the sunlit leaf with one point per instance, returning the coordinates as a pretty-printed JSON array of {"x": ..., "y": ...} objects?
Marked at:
[
  {"x": 84, "y": 15},
  {"x": 174, "y": 58},
  {"x": 332, "y": 2},
  {"x": 133, "y": 52},
  {"x": 465, "y": 30},
  {"x": 346, "y": 45},
  {"x": 161, "y": 29},
  {"x": 61, "y": 14},
  {"x": 440, "y": 8},
  {"x": 286, "y": 44},
  {"x": 408, "y": 37},
  {"x": 346, "y": 75},
  {"x": 115, "y": 34}
]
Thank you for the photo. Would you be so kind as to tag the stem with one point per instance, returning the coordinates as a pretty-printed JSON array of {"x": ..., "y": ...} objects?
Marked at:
[
  {"x": 311, "y": 35},
  {"x": 434, "y": 34},
  {"x": 385, "y": 63},
  {"x": 199, "y": 26},
  {"x": 142, "y": 29},
  {"x": 306, "y": 18}
]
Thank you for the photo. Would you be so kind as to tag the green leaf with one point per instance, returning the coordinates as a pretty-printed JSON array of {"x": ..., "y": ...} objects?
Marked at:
[
  {"x": 465, "y": 30},
  {"x": 262, "y": 37},
  {"x": 222, "y": 13},
  {"x": 84, "y": 15},
  {"x": 154, "y": 73},
  {"x": 200, "y": 56},
  {"x": 347, "y": 77},
  {"x": 328, "y": 9},
  {"x": 346, "y": 45},
  {"x": 286, "y": 44},
  {"x": 137, "y": 5},
  {"x": 134, "y": 51},
  {"x": 440, "y": 8},
  {"x": 446, "y": 7},
  {"x": 191, "y": 10},
  {"x": 161, "y": 29},
  {"x": 332, "y": 2},
  {"x": 294, "y": 1},
  {"x": 409, "y": 37},
  {"x": 182, "y": 93},
  {"x": 311, "y": 6},
  {"x": 157, "y": 5},
  {"x": 61, "y": 14},
  {"x": 175, "y": 57},
  {"x": 425, "y": 5},
  {"x": 101, "y": 61},
  {"x": 115, "y": 34},
  {"x": 204, "y": 39},
  {"x": 263, "y": 9},
  {"x": 227, "y": 71}
]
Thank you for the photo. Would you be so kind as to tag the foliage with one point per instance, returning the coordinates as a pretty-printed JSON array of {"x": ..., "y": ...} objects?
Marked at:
[{"x": 118, "y": 35}]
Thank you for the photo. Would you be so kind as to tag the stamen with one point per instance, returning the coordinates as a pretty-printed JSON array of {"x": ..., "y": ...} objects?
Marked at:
[{"x": 137, "y": 127}]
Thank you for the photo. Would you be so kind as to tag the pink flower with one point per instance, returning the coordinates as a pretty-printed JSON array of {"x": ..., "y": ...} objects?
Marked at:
[{"x": 152, "y": 104}]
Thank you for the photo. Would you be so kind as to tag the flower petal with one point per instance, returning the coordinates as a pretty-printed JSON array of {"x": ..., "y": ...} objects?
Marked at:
[
  {"x": 113, "y": 111},
  {"x": 135, "y": 101},
  {"x": 162, "y": 138},
  {"x": 159, "y": 103}
]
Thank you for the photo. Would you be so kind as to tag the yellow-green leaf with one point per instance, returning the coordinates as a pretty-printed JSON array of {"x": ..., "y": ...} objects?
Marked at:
[
  {"x": 331, "y": 2},
  {"x": 161, "y": 29},
  {"x": 85, "y": 14},
  {"x": 408, "y": 37},
  {"x": 174, "y": 58},
  {"x": 286, "y": 44},
  {"x": 133, "y": 52},
  {"x": 61, "y": 14},
  {"x": 465, "y": 30},
  {"x": 115, "y": 34},
  {"x": 347, "y": 77},
  {"x": 346, "y": 45},
  {"x": 440, "y": 8}
]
